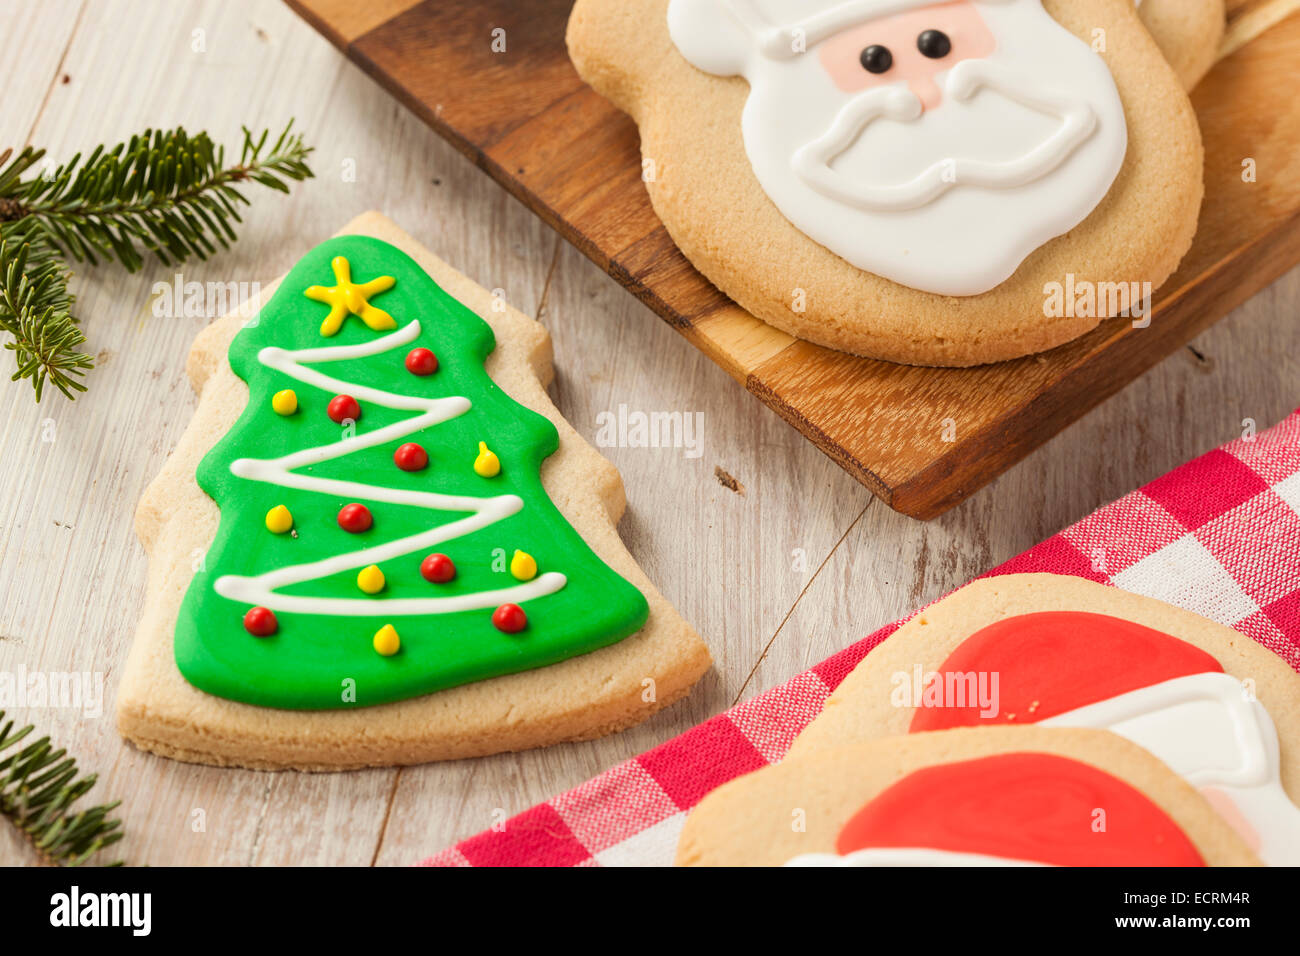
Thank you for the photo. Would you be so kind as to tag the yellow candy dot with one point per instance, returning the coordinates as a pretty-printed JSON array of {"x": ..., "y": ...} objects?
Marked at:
[
  {"x": 523, "y": 566},
  {"x": 285, "y": 402},
  {"x": 370, "y": 579},
  {"x": 386, "y": 641},
  {"x": 486, "y": 464},
  {"x": 278, "y": 520}
]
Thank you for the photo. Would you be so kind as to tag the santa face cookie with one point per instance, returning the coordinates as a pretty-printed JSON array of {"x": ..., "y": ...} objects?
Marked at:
[
  {"x": 894, "y": 133},
  {"x": 415, "y": 556},
  {"x": 909, "y": 166},
  {"x": 1217, "y": 708},
  {"x": 1188, "y": 33},
  {"x": 972, "y": 797}
]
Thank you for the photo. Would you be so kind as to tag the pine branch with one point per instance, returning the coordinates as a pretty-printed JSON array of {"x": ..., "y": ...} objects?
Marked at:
[
  {"x": 35, "y": 309},
  {"x": 38, "y": 786},
  {"x": 164, "y": 190}
]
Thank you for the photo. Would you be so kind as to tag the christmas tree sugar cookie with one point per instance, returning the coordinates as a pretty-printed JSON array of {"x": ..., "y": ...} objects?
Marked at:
[
  {"x": 1054, "y": 651},
  {"x": 379, "y": 543},
  {"x": 1006, "y": 796},
  {"x": 922, "y": 182},
  {"x": 1188, "y": 33}
]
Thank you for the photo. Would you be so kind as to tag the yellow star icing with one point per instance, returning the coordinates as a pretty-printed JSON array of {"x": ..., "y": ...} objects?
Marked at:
[{"x": 351, "y": 298}]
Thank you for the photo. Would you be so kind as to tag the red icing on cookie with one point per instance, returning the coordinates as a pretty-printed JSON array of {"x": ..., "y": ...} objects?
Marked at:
[
  {"x": 509, "y": 618},
  {"x": 1056, "y": 661},
  {"x": 1022, "y": 806}
]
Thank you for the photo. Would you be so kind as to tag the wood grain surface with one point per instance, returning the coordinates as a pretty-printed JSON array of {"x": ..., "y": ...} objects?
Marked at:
[
  {"x": 920, "y": 439},
  {"x": 795, "y": 563}
]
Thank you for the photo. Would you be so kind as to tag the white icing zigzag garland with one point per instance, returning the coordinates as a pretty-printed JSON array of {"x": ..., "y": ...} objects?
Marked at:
[{"x": 261, "y": 589}]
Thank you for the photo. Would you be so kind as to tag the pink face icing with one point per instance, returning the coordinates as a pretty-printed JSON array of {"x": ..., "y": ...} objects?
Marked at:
[{"x": 967, "y": 34}]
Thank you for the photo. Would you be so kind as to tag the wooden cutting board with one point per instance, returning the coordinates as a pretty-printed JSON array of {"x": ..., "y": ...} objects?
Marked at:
[{"x": 921, "y": 439}]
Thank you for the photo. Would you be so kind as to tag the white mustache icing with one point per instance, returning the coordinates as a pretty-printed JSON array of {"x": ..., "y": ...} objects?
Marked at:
[{"x": 813, "y": 161}]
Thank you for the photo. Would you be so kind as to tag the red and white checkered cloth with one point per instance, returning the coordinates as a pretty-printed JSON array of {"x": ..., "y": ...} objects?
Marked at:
[{"x": 1219, "y": 536}]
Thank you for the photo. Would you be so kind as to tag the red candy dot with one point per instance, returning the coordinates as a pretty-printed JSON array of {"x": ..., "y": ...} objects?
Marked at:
[
  {"x": 260, "y": 622},
  {"x": 343, "y": 407},
  {"x": 355, "y": 518},
  {"x": 421, "y": 362},
  {"x": 510, "y": 618},
  {"x": 411, "y": 457},
  {"x": 437, "y": 568}
]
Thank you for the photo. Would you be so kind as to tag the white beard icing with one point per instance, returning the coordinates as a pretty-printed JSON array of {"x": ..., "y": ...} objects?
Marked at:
[{"x": 1023, "y": 146}]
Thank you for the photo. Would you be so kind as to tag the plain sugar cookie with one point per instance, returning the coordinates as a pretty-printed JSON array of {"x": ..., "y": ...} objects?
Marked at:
[
  {"x": 1188, "y": 33},
  {"x": 1006, "y": 796},
  {"x": 930, "y": 183},
  {"x": 1058, "y": 651},
  {"x": 378, "y": 542}
]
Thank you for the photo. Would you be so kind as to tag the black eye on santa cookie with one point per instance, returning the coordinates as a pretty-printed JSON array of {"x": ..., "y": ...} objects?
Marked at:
[
  {"x": 934, "y": 44},
  {"x": 876, "y": 58}
]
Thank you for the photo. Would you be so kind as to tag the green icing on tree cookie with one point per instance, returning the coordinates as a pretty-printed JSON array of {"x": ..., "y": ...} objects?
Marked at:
[{"x": 323, "y": 653}]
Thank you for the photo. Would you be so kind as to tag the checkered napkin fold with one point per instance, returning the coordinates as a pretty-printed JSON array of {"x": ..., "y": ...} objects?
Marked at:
[{"x": 1219, "y": 536}]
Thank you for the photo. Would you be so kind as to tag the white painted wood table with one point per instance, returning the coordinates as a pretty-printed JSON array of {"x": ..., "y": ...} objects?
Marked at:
[{"x": 793, "y": 565}]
